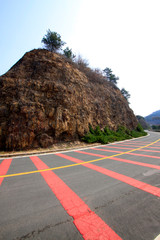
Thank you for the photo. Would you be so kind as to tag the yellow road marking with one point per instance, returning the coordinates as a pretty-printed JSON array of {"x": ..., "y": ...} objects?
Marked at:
[{"x": 76, "y": 164}]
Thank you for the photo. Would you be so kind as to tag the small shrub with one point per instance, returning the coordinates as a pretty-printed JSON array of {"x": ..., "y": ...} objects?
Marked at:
[
  {"x": 103, "y": 139},
  {"x": 126, "y": 94},
  {"x": 91, "y": 129},
  {"x": 105, "y": 136},
  {"x": 139, "y": 128},
  {"x": 68, "y": 53},
  {"x": 81, "y": 62},
  {"x": 52, "y": 41},
  {"x": 98, "y": 131},
  {"x": 89, "y": 138},
  {"x": 107, "y": 131}
]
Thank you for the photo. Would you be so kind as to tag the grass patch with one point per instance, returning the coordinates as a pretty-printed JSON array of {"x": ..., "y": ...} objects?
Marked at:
[{"x": 107, "y": 136}]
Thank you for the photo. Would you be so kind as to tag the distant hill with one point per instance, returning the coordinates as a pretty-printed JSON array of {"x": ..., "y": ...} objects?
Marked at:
[
  {"x": 154, "y": 118},
  {"x": 143, "y": 122}
]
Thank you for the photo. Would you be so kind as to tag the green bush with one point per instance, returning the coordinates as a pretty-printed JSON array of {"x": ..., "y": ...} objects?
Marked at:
[
  {"x": 52, "y": 41},
  {"x": 107, "y": 131},
  {"x": 98, "y": 131},
  {"x": 89, "y": 138},
  {"x": 105, "y": 136},
  {"x": 91, "y": 130},
  {"x": 68, "y": 53},
  {"x": 139, "y": 128}
]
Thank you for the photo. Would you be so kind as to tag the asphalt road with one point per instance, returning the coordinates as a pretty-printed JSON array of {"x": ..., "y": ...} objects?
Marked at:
[{"x": 106, "y": 192}]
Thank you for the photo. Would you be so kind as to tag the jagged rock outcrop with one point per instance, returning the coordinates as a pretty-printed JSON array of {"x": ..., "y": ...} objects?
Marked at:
[{"x": 45, "y": 99}]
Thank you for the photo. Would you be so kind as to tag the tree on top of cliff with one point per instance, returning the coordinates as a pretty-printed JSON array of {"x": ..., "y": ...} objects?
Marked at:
[
  {"x": 125, "y": 93},
  {"x": 52, "y": 41},
  {"x": 68, "y": 53},
  {"x": 110, "y": 76}
]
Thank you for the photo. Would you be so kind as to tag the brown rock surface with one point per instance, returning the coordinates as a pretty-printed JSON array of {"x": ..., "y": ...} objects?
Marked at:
[{"x": 45, "y": 99}]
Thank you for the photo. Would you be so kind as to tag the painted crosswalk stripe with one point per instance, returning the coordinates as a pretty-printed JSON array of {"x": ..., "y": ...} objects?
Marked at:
[
  {"x": 123, "y": 160},
  {"x": 123, "y": 178},
  {"x": 4, "y": 166},
  {"x": 130, "y": 153},
  {"x": 90, "y": 225},
  {"x": 144, "y": 150}
]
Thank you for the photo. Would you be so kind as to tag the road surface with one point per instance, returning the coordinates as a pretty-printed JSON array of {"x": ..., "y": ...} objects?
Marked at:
[{"x": 106, "y": 192}]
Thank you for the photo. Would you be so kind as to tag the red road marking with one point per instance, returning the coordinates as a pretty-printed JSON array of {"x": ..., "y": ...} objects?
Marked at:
[
  {"x": 136, "y": 154},
  {"x": 142, "y": 155},
  {"x": 92, "y": 154},
  {"x": 154, "y": 147},
  {"x": 144, "y": 150},
  {"x": 123, "y": 160},
  {"x": 90, "y": 225},
  {"x": 147, "y": 142},
  {"x": 133, "y": 145},
  {"x": 119, "y": 147},
  {"x": 144, "y": 142},
  {"x": 129, "y": 145},
  {"x": 138, "y": 142},
  {"x": 106, "y": 150},
  {"x": 137, "y": 163},
  {"x": 130, "y": 181},
  {"x": 4, "y": 166}
]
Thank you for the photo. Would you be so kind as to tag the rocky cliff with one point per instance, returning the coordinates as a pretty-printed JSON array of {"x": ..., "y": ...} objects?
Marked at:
[{"x": 45, "y": 99}]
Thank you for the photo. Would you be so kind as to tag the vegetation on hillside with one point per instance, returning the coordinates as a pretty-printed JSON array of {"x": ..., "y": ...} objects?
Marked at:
[
  {"x": 52, "y": 42},
  {"x": 126, "y": 94},
  {"x": 110, "y": 76},
  {"x": 68, "y": 53},
  {"x": 106, "y": 135}
]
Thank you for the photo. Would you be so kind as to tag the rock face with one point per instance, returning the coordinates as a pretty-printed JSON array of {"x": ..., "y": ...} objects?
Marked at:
[{"x": 45, "y": 99}]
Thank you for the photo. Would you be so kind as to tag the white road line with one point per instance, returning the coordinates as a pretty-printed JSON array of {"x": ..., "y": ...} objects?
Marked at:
[{"x": 71, "y": 150}]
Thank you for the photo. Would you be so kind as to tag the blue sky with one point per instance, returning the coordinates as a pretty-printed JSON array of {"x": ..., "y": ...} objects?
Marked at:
[
  {"x": 24, "y": 23},
  {"x": 120, "y": 34}
]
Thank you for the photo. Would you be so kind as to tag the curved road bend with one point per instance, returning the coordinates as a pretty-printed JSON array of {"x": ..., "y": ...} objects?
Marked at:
[{"x": 108, "y": 192}]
